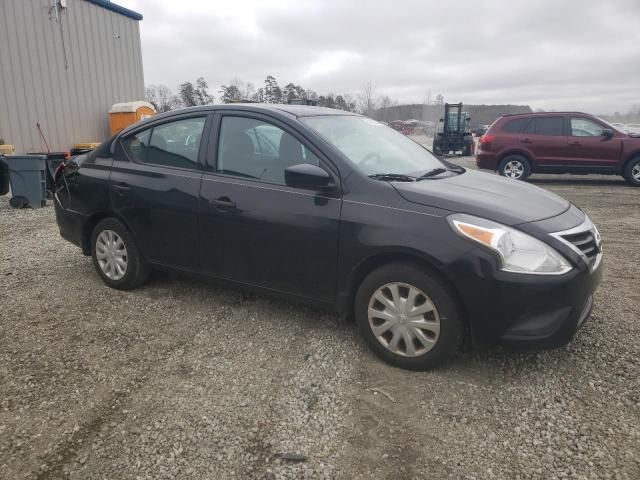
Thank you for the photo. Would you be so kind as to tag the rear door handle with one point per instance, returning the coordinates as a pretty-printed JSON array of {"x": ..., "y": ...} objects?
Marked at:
[
  {"x": 576, "y": 144},
  {"x": 525, "y": 140},
  {"x": 121, "y": 188},
  {"x": 224, "y": 202}
]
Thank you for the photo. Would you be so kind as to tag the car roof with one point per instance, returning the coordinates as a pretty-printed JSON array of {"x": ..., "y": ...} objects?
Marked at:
[
  {"x": 295, "y": 111},
  {"x": 545, "y": 114}
]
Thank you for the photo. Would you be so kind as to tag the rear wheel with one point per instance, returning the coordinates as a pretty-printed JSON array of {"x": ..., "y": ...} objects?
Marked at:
[
  {"x": 514, "y": 166},
  {"x": 116, "y": 257},
  {"x": 632, "y": 172},
  {"x": 408, "y": 317}
]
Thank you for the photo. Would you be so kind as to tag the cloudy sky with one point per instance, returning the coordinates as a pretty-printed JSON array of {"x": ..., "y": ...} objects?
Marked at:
[{"x": 551, "y": 54}]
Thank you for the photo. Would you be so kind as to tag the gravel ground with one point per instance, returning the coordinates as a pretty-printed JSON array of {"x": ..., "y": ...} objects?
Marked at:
[{"x": 185, "y": 379}]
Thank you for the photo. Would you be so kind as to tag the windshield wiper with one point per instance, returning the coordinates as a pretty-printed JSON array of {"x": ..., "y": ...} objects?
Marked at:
[
  {"x": 394, "y": 177},
  {"x": 432, "y": 173}
]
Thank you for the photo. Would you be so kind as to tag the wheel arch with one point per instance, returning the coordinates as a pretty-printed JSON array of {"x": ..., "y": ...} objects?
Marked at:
[
  {"x": 368, "y": 265},
  {"x": 514, "y": 151},
  {"x": 629, "y": 158},
  {"x": 91, "y": 223}
]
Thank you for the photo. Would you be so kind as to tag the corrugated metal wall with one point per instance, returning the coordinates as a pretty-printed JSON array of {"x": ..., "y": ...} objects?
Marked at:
[{"x": 71, "y": 102}]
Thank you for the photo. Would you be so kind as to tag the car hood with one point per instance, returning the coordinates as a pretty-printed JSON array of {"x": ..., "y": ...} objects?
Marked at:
[{"x": 486, "y": 195}]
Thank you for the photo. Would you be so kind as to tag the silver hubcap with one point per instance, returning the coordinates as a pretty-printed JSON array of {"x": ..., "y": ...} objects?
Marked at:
[
  {"x": 635, "y": 172},
  {"x": 111, "y": 254},
  {"x": 404, "y": 319},
  {"x": 513, "y": 169}
]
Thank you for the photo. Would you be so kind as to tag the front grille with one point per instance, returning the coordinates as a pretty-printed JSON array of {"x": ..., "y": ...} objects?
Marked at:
[{"x": 585, "y": 242}]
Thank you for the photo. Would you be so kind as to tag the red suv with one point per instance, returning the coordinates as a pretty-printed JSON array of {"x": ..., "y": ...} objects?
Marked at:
[{"x": 558, "y": 142}]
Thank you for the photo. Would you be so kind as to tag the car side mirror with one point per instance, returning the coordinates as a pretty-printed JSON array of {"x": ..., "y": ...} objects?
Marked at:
[
  {"x": 607, "y": 132},
  {"x": 305, "y": 175}
]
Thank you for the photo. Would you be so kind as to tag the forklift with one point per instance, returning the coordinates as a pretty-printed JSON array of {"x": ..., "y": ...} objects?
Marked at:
[{"x": 454, "y": 133}]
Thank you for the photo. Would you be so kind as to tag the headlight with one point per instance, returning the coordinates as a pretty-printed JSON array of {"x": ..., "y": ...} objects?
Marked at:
[{"x": 519, "y": 252}]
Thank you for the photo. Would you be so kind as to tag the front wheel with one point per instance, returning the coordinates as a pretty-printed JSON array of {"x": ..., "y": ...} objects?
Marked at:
[
  {"x": 632, "y": 172},
  {"x": 116, "y": 257},
  {"x": 514, "y": 166},
  {"x": 408, "y": 317}
]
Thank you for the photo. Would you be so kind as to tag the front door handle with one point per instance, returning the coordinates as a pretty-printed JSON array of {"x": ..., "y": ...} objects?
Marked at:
[
  {"x": 575, "y": 144},
  {"x": 224, "y": 202},
  {"x": 525, "y": 140}
]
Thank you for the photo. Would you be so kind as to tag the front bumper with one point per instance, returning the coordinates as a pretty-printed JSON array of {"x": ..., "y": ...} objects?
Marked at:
[{"x": 524, "y": 311}]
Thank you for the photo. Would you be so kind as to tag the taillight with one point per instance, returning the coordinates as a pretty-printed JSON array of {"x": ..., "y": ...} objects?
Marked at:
[
  {"x": 487, "y": 138},
  {"x": 485, "y": 141}
]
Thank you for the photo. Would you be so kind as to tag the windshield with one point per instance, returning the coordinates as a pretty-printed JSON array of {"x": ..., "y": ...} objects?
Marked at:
[{"x": 373, "y": 147}]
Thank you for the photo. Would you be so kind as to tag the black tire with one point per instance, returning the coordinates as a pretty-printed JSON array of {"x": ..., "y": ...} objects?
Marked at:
[
  {"x": 137, "y": 270},
  {"x": 630, "y": 168},
  {"x": 18, "y": 202},
  {"x": 518, "y": 159},
  {"x": 451, "y": 322}
]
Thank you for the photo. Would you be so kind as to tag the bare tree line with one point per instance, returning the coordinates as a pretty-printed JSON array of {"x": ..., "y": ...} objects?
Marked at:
[{"x": 366, "y": 101}]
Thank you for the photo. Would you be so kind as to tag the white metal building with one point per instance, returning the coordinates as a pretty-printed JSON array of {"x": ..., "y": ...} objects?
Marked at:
[{"x": 63, "y": 63}]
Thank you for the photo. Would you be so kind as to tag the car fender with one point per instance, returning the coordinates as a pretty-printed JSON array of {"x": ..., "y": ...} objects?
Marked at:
[{"x": 516, "y": 151}]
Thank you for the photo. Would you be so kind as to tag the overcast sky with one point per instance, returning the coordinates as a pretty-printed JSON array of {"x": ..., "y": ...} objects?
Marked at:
[{"x": 551, "y": 54}]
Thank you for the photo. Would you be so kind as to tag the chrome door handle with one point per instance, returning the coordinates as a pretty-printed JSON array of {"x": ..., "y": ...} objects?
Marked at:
[
  {"x": 224, "y": 202},
  {"x": 121, "y": 188}
]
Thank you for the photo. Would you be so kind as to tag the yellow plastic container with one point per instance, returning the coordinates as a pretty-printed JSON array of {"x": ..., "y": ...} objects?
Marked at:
[
  {"x": 87, "y": 145},
  {"x": 7, "y": 149},
  {"x": 121, "y": 115}
]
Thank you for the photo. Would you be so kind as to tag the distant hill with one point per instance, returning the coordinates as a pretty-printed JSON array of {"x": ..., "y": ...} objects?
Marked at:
[{"x": 480, "y": 114}]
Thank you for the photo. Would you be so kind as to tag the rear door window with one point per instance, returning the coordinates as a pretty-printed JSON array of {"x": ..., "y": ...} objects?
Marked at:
[
  {"x": 137, "y": 145},
  {"x": 515, "y": 125},
  {"x": 552, "y": 126},
  {"x": 176, "y": 144},
  {"x": 172, "y": 144}
]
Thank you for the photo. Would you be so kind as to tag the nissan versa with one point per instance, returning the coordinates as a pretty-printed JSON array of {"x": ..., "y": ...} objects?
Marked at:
[{"x": 341, "y": 211}]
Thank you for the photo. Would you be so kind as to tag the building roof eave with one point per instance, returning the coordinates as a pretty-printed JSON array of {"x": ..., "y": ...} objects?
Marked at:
[{"x": 117, "y": 9}]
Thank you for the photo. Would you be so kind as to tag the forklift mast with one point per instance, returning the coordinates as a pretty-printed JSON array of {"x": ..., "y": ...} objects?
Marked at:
[{"x": 454, "y": 134}]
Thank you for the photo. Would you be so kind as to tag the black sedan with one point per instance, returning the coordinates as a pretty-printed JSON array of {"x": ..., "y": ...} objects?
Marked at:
[{"x": 338, "y": 210}]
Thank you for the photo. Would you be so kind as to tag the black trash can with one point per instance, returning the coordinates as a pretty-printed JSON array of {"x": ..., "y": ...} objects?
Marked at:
[
  {"x": 4, "y": 176},
  {"x": 28, "y": 181}
]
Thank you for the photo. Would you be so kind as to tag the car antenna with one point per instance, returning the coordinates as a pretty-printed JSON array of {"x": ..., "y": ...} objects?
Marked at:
[{"x": 43, "y": 137}]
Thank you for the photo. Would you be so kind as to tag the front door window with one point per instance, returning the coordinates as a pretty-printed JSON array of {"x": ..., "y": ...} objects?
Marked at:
[{"x": 256, "y": 149}]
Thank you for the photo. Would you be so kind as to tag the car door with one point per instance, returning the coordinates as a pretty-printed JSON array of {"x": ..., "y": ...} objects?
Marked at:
[
  {"x": 589, "y": 147},
  {"x": 545, "y": 138},
  {"x": 155, "y": 186},
  {"x": 254, "y": 228}
]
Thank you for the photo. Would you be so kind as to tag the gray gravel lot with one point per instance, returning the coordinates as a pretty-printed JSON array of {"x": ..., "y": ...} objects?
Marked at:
[{"x": 187, "y": 379}]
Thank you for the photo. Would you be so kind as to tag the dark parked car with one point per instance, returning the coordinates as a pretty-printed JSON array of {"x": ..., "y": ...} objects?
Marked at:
[
  {"x": 340, "y": 211},
  {"x": 559, "y": 142}
]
